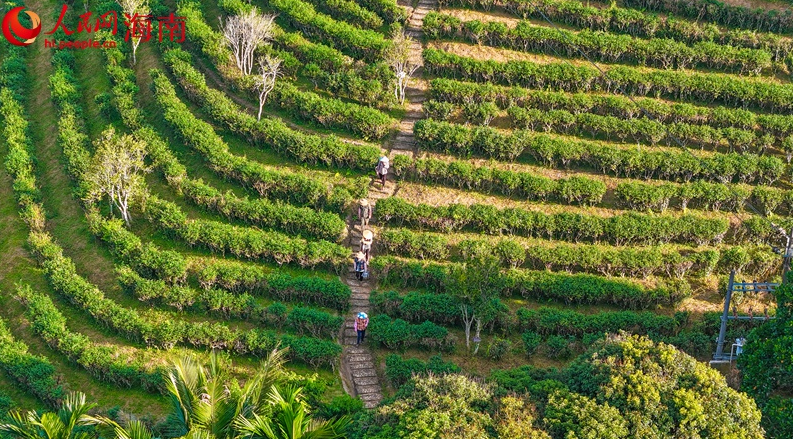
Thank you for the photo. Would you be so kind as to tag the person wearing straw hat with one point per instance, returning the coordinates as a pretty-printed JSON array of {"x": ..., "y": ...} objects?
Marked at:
[
  {"x": 366, "y": 243},
  {"x": 364, "y": 212},
  {"x": 361, "y": 322},
  {"x": 360, "y": 265},
  {"x": 382, "y": 169}
]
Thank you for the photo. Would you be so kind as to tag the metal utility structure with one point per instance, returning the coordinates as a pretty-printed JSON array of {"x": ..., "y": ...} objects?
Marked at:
[{"x": 742, "y": 287}]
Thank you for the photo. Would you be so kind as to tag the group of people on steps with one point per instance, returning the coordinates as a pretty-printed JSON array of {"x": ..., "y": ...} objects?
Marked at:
[{"x": 361, "y": 259}]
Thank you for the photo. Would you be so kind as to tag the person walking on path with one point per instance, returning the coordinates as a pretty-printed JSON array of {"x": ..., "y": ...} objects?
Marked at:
[
  {"x": 366, "y": 243},
  {"x": 382, "y": 169},
  {"x": 360, "y": 266},
  {"x": 364, "y": 212},
  {"x": 361, "y": 322}
]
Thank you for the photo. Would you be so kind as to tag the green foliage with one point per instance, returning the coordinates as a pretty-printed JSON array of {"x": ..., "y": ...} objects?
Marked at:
[
  {"x": 707, "y": 87},
  {"x": 399, "y": 371},
  {"x": 397, "y": 334},
  {"x": 497, "y": 348},
  {"x": 560, "y": 152},
  {"x": 531, "y": 342},
  {"x": 766, "y": 367}
]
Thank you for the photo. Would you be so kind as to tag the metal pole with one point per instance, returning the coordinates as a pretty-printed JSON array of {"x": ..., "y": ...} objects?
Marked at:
[{"x": 723, "y": 329}]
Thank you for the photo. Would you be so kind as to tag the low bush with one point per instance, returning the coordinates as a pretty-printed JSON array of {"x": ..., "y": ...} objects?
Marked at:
[
  {"x": 398, "y": 370},
  {"x": 397, "y": 334}
]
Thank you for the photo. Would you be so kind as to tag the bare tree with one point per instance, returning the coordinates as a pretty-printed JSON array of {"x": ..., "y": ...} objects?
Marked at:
[
  {"x": 134, "y": 11},
  {"x": 398, "y": 57},
  {"x": 116, "y": 170},
  {"x": 244, "y": 33},
  {"x": 269, "y": 70}
]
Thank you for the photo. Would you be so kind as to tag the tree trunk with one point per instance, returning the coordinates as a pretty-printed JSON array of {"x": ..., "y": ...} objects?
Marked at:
[{"x": 476, "y": 336}]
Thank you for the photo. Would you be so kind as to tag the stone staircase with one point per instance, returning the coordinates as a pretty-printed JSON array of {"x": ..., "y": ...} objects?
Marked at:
[{"x": 358, "y": 370}]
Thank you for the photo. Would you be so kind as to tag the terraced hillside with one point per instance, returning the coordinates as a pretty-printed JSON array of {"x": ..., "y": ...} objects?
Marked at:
[{"x": 559, "y": 170}]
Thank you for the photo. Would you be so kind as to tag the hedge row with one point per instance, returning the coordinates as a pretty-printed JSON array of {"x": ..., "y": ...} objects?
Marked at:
[
  {"x": 415, "y": 307},
  {"x": 369, "y": 123},
  {"x": 243, "y": 242},
  {"x": 457, "y": 92},
  {"x": 348, "y": 10},
  {"x": 721, "y": 13},
  {"x": 673, "y": 84},
  {"x": 367, "y": 45},
  {"x": 327, "y": 150},
  {"x": 397, "y": 334},
  {"x": 462, "y": 174},
  {"x": 569, "y": 288},
  {"x": 389, "y": 10},
  {"x": 640, "y": 130},
  {"x": 226, "y": 305},
  {"x": 557, "y": 151},
  {"x": 638, "y": 23},
  {"x": 622, "y": 229},
  {"x": 602, "y": 46},
  {"x": 35, "y": 373},
  {"x": 260, "y": 212},
  {"x": 288, "y": 186},
  {"x": 552, "y": 321},
  {"x": 398, "y": 371},
  {"x": 586, "y": 258},
  {"x": 166, "y": 332},
  {"x": 240, "y": 277},
  {"x": 101, "y": 361}
]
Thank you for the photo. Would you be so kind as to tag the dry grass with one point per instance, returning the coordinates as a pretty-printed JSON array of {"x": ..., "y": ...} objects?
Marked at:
[{"x": 470, "y": 15}]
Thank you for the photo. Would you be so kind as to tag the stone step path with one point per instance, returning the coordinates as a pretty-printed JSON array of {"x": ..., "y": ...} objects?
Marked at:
[{"x": 358, "y": 369}]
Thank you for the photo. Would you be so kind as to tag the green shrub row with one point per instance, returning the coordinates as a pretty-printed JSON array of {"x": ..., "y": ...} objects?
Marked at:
[
  {"x": 552, "y": 321},
  {"x": 638, "y": 23},
  {"x": 227, "y": 305},
  {"x": 673, "y": 84},
  {"x": 259, "y": 212},
  {"x": 399, "y": 371},
  {"x": 243, "y": 242},
  {"x": 166, "y": 332},
  {"x": 569, "y": 288},
  {"x": 601, "y": 46},
  {"x": 720, "y": 12},
  {"x": 367, "y": 45},
  {"x": 415, "y": 307},
  {"x": 368, "y": 123},
  {"x": 34, "y": 373},
  {"x": 240, "y": 277},
  {"x": 557, "y": 151},
  {"x": 101, "y": 361},
  {"x": 464, "y": 175},
  {"x": 586, "y": 258},
  {"x": 389, "y": 10},
  {"x": 703, "y": 195},
  {"x": 288, "y": 186},
  {"x": 350, "y": 11},
  {"x": 314, "y": 149},
  {"x": 397, "y": 334},
  {"x": 457, "y": 92},
  {"x": 640, "y": 130},
  {"x": 621, "y": 229}
]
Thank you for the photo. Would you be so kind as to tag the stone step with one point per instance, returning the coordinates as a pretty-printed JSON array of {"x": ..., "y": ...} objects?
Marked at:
[
  {"x": 371, "y": 404},
  {"x": 356, "y": 350},
  {"x": 371, "y": 396},
  {"x": 350, "y": 332},
  {"x": 359, "y": 302},
  {"x": 359, "y": 290},
  {"x": 361, "y": 373},
  {"x": 362, "y": 365},
  {"x": 368, "y": 381},
  {"x": 368, "y": 389},
  {"x": 349, "y": 324},
  {"x": 360, "y": 296},
  {"x": 357, "y": 309},
  {"x": 358, "y": 358},
  {"x": 350, "y": 341}
]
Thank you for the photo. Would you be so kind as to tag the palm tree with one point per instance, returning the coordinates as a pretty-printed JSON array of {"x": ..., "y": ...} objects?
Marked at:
[
  {"x": 207, "y": 399},
  {"x": 289, "y": 420},
  {"x": 61, "y": 425}
]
